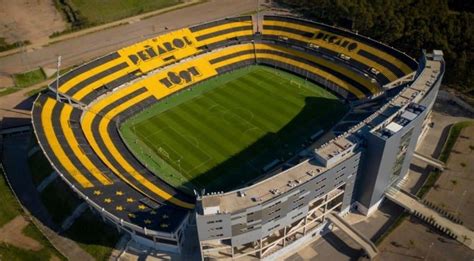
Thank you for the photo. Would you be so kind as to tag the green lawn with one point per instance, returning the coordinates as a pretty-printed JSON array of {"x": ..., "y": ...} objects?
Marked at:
[
  {"x": 23, "y": 80},
  {"x": 100, "y": 11},
  {"x": 8, "y": 90},
  {"x": 4, "y": 46},
  {"x": 29, "y": 78},
  {"x": 9, "y": 207},
  {"x": 224, "y": 131}
]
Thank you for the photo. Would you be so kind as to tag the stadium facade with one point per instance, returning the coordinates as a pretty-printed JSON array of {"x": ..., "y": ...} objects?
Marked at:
[{"x": 348, "y": 167}]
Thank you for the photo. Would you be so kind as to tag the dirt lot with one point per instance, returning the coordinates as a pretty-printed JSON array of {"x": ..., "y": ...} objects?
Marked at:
[
  {"x": 32, "y": 20},
  {"x": 414, "y": 240},
  {"x": 11, "y": 233},
  {"x": 454, "y": 190}
]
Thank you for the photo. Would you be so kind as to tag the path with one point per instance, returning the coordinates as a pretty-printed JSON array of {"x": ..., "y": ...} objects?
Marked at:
[
  {"x": 430, "y": 161},
  {"x": 16, "y": 167},
  {"x": 404, "y": 199}
]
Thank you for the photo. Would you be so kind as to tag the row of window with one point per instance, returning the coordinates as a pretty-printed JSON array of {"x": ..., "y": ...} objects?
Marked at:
[
  {"x": 236, "y": 217},
  {"x": 214, "y": 221},
  {"x": 339, "y": 183},
  {"x": 217, "y": 228},
  {"x": 275, "y": 226},
  {"x": 300, "y": 205},
  {"x": 298, "y": 200},
  {"x": 323, "y": 186},
  {"x": 340, "y": 176},
  {"x": 275, "y": 218},
  {"x": 273, "y": 211},
  {"x": 323, "y": 179},
  {"x": 297, "y": 215},
  {"x": 274, "y": 204}
]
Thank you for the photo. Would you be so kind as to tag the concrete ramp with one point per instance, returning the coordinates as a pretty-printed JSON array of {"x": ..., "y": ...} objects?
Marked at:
[
  {"x": 257, "y": 21},
  {"x": 429, "y": 160},
  {"x": 412, "y": 203},
  {"x": 368, "y": 246}
]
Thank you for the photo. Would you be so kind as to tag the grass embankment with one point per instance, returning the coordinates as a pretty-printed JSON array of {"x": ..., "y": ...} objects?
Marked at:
[
  {"x": 9, "y": 207},
  {"x": 8, "y": 211},
  {"x": 453, "y": 135},
  {"x": 222, "y": 132},
  {"x": 29, "y": 78},
  {"x": 42, "y": 88},
  {"x": 23, "y": 80},
  {"x": 4, "y": 46}
]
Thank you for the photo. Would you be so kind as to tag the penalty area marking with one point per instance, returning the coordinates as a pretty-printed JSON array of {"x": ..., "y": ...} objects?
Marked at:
[{"x": 191, "y": 140}]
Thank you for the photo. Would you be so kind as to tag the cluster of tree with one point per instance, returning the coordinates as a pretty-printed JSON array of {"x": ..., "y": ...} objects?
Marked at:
[{"x": 408, "y": 25}]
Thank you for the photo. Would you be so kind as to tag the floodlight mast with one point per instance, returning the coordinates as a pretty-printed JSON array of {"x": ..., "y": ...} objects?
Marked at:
[{"x": 57, "y": 77}]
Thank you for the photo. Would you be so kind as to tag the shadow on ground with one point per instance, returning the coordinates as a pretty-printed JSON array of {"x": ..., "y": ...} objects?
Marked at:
[
  {"x": 247, "y": 165},
  {"x": 341, "y": 246}
]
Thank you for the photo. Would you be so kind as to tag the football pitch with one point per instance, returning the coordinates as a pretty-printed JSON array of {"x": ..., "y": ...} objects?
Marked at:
[{"x": 222, "y": 133}]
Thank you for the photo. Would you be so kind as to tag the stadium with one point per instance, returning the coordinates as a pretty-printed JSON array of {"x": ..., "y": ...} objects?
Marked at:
[{"x": 259, "y": 131}]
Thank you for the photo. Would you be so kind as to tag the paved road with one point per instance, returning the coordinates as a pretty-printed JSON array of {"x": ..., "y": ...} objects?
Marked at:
[{"x": 83, "y": 48}]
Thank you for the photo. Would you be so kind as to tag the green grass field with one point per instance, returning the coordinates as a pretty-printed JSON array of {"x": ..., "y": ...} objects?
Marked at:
[
  {"x": 222, "y": 132},
  {"x": 29, "y": 78}
]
